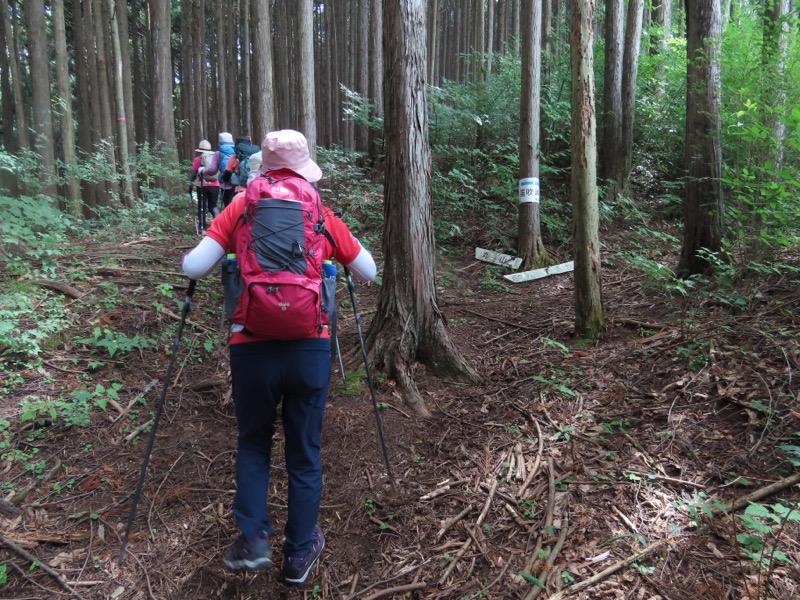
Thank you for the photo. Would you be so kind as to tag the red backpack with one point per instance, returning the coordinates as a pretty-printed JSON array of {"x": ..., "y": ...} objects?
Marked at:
[{"x": 279, "y": 248}]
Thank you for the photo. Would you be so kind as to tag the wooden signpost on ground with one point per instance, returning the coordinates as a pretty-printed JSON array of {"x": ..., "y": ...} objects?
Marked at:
[
  {"x": 497, "y": 258},
  {"x": 539, "y": 273}
]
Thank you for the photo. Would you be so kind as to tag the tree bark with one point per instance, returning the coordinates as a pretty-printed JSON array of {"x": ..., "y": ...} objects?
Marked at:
[
  {"x": 588, "y": 281},
  {"x": 362, "y": 69},
  {"x": 703, "y": 207},
  {"x": 529, "y": 234},
  {"x": 10, "y": 141},
  {"x": 612, "y": 96},
  {"x": 308, "y": 107},
  {"x": 107, "y": 134},
  {"x": 433, "y": 40},
  {"x": 263, "y": 90},
  {"x": 122, "y": 125},
  {"x": 164, "y": 126},
  {"x": 127, "y": 80},
  {"x": 376, "y": 79},
  {"x": 12, "y": 31},
  {"x": 40, "y": 89},
  {"x": 409, "y": 326},
  {"x": 630, "y": 68},
  {"x": 64, "y": 94},
  {"x": 247, "y": 112}
]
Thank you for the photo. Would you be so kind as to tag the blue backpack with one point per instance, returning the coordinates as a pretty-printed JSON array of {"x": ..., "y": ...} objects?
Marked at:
[
  {"x": 243, "y": 152},
  {"x": 225, "y": 153}
]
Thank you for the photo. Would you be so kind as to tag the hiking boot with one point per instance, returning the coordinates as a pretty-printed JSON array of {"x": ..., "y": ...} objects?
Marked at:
[
  {"x": 297, "y": 568},
  {"x": 250, "y": 556}
]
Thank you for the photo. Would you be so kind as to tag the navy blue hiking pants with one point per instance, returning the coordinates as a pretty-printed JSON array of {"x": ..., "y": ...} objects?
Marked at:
[{"x": 293, "y": 376}]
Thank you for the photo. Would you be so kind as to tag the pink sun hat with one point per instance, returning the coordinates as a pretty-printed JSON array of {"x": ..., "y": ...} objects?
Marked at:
[{"x": 288, "y": 149}]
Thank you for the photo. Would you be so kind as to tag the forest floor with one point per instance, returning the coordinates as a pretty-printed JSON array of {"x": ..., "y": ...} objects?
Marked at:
[{"x": 596, "y": 469}]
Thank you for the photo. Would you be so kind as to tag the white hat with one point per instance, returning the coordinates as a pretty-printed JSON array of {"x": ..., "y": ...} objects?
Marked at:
[
  {"x": 203, "y": 146},
  {"x": 254, "y": 162}
]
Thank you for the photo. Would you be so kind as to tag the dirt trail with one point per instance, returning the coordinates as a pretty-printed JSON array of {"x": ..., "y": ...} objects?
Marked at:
[{"x": 566, "y": 460}]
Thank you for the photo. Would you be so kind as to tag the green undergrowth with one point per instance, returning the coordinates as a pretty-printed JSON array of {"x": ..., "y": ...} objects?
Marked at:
[{"x": 79, "y": 301}]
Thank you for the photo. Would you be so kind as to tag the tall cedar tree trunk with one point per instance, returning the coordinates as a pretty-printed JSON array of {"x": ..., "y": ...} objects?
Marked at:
[
  {"x": 232, "y": 88},
  {"x": 5, "y": 90},
  {"x": 324, "y": 49},
  {"x": 12, "y": 28},
  {"x": 659, "y": 35},
  {"x": 774, "y": 57},
  {"x": 247, "y": 112},
  {"x": 263, "y": 88},
  {"x": 220, "y": 14},
  {"x": 433, "y": 40},
  {"x": 164, "y": 127},
  {"x": 479, "y": 48},
  {"x": 529, "y": 231},
  {"x": 81, "y": 25},
  {"x": 630, "y": 68},
  {"x": 612, "y": 96},
  {"x": 376, "y": 78},
  {"x": 10, "y": 141},
  {"x": 127, "y": 80},
  {"x": 703, "y": 206},
  {"x": 141, "y": 117},
  {"x": 281, "y": 41},
  {"x": 489, "y": 37},
  {"x": 107, "y": 134},
  {"x": 185, "y": 133},
  {"x": 362, "y": 74},
  {"x": 122, "y": 126},
  {"x": 307, "y": 87},
  {"x": 409, "y": 326},
  {"x": 40, "y": 89},
  {"x": 67, "y": 125},
  {"x": 588, "y": 281}
]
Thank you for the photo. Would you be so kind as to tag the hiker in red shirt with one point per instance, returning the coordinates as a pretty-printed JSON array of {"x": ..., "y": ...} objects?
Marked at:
[{"x": 267, "y": 373}]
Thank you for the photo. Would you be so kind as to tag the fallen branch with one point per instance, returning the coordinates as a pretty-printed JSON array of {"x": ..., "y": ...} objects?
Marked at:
[
  {"x": 582, "y": 585},
  {"x": 59, "y": 286},
  {"x": 137, "y": 431},
  {"x": 410, "y": 587},
  {"x": 547, "y": 568},
  {"x": 20, "y": 495},
  {"x": 476, "y": 528},
  {"x": 33, "y": 560},
  {"x": 760, "y": 493},
  {"x": 138, "y": 397},
  {"x": 536, "y": 464},
  {"x": 446, "y": 527},
  {"x": 548, "y": 519},
  {"x": 383, "y": 526}
]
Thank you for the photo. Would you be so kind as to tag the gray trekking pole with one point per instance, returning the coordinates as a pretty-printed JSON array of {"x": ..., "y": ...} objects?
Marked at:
[
  {"x": 187, "y": 308},
  {"x": 352, "y": 287},
  {"x": 339, "y": 354}
]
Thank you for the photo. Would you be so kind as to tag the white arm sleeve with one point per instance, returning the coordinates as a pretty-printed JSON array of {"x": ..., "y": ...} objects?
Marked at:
[
  {"x": 363, "y": 266},
  {"x": 203, "y": 258}
]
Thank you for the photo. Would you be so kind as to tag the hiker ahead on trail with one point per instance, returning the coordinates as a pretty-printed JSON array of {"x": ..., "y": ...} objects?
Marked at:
[
  {"x": 280, "y": 344},
  {"x": 238, "y": 168},
  {"x": 206, "y": 184},
  {"x": 218, "y": 164}
]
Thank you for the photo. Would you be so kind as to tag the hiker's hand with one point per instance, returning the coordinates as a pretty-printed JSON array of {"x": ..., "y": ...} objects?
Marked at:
[
  {"x": 200, "y": 171},
  {"x": 226, "y": 176}
]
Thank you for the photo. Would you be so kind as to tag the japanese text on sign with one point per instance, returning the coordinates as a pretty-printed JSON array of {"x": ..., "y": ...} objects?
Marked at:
[{"x": 529, "y": 190}]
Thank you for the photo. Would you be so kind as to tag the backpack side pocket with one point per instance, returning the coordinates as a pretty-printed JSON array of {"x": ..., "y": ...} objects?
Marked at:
[{"x": 232, "y": 285}]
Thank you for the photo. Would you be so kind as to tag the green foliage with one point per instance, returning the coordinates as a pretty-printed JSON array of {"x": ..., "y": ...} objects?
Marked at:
[
  {"x": 110, "y": 341},
  {"x": 763, "y": 525}
]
